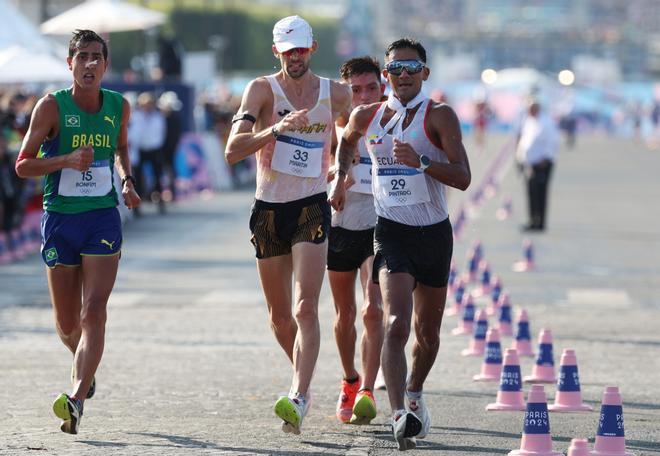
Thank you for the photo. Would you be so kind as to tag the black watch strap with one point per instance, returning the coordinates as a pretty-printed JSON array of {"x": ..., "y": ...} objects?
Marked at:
[{"x": 127, "y": 177}]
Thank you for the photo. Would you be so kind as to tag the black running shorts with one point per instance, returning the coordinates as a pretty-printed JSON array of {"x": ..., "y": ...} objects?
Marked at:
[
  {"x": 276, "y": 227},
  {"x": 347, "y": 249},
  {"x": 422, "y": 251}
]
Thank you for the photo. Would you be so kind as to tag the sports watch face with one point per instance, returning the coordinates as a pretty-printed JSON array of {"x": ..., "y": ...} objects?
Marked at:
[{"x": 424, "y": 162}]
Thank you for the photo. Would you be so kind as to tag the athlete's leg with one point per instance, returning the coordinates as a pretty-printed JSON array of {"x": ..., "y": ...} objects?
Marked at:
[
  {"x": 309, "y": 261},
  {"x": 372, "y": 317},
  {"x": 65, "y": 285},
  {"x": 275, "y": 276},
  {"x": 429, "y": 308},
  {"x": 342, "y": 285},
  {"x": 98, "y": 275},
  {"x": 396, "y": 290}
]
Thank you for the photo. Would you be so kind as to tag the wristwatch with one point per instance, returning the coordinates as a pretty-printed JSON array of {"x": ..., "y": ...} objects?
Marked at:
[
  {"x": 424, "y": 162},
  {"x": 126, "y": 178}
]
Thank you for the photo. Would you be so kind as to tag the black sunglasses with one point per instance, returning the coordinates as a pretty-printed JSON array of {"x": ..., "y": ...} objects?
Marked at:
[{"x": 396, "y": 67}]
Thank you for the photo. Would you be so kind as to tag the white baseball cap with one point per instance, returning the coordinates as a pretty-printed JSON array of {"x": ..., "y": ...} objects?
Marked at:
[{"x": 292, "y": 32}]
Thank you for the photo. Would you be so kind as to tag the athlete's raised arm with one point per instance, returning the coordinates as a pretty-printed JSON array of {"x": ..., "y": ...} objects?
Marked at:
[{"x": 346, "y": 152}]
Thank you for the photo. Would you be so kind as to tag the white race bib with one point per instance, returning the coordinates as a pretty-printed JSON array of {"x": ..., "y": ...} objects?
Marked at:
[
  {"x": 96, "y": 181},
  {"x": 297, "y": 157},
  {"x": 362, "y": 176},
  {"x": 401, "y": 186}
]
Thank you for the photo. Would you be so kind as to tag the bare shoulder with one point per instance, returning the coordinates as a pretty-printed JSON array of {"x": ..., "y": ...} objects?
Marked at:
[
  {"x": 340, "y": 93},
  {"x": 363, "y": 114},
  {"x": 47, "y": 105},
  {"x": 442, "y": 112},
  {"x": 258, "y": 89},
  {"x": 46, "y": 111}
]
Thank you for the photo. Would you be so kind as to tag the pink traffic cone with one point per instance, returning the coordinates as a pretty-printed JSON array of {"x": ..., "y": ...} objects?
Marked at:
[
  {"x": 478, "y": 342},
  {"x": 510, "y": 395},
  {"x": 466, "y": 324},
  {"x": 504, "y": 212},
  {"x": 18, "y": 251},
  {"x": 491, "y": 368},
  {"x": 527, "y": 262},
  {"x": 459, "y": 294},
  {"x": 459, "y": 224},
  {"x": 5, "y": 254},
  {"x": 451, "y": 280},
  {"x": 522, "y": 342},
  {"x": 610, "y": 439},
  {"x": 544, "y": 368},
  {"x": 495, "y": 293},
  {"x": 504, "y": 320},
  {"x": 569, "y": 397},
  {"x": 472, "y": 265},
  {"x": 579, "y": 447},
  {"x": 536, "y": 439},
  {"x": 484, "y": 281}
]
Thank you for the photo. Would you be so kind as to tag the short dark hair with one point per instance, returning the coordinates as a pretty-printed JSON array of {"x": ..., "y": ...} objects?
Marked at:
[
  {"x": 360, "y": 65},
  {"x": 82, "y": 38},
  {"x": 407, "y": 43}
]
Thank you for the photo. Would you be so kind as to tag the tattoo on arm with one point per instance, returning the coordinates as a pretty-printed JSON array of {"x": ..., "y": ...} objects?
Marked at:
[{"x": 345, "y": 154}]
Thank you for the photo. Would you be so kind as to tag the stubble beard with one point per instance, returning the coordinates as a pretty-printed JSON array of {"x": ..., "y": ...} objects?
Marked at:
[{"x": 298, "y": 73}]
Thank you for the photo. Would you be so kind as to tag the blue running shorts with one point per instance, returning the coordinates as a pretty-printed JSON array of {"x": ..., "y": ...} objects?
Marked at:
[{"x": 65, "y": 238}]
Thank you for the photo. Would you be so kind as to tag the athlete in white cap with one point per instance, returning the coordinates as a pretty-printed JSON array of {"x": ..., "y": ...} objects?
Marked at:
[
  {"x": 287, "y": 119},
  {"x": 416, "y": 150}
]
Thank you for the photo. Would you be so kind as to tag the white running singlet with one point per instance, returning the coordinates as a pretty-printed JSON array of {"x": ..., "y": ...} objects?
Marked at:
[
  {"x": 359, "y": 212},
  {"x": 401, "y": 193},
  {"x": 296, "y": 165}
]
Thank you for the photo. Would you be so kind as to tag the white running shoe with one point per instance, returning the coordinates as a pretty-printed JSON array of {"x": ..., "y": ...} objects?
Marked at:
[
  {"x": 405, "y": 426},
  {"x": 418, "y": 407}
]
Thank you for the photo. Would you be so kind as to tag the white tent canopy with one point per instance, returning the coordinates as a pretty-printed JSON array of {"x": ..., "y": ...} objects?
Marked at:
[
  {"x": 16, "y": 29},
  {"x": 103, "y": 16},
  {"x": 22, "y": 65}
]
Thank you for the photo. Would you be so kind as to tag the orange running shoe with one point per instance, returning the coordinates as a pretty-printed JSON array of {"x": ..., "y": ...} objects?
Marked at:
[{"x": 347, "y": 399}]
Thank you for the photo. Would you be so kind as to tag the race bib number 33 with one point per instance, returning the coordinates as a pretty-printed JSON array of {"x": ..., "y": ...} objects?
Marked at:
[{"x": 297, "y": 157}]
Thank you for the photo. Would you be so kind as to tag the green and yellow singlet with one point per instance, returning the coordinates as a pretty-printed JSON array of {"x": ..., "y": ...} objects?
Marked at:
[{"x": 69, "y": 191}]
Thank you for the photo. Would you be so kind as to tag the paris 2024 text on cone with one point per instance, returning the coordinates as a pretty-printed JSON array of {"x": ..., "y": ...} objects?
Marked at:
[
  {"x": 510, "y": 395},
  {"x": 569, "y": 397},
  {"x": 544, "y": 367},
  {"x": 491, "y": 368},
  {"x": 536, "y": 439},
  {"x": 610, "y": 438}
]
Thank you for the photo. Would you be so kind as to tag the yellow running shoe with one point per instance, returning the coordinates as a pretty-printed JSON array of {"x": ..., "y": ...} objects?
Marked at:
[
  {"x": 69, "y": 411},
  {"x": 364, "y": 409},
  {"x": 292, "y": 411}
]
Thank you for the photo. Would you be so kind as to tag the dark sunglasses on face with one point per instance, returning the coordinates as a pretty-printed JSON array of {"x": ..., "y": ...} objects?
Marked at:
[
  {"x": 299, "y": 51},
  {"x": 396, "y": 67}
]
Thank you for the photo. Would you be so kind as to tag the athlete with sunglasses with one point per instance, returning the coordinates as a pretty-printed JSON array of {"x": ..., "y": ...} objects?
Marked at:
[
  {"x": 416, "y": 150},
  {"x": 287, "y": 119}
]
